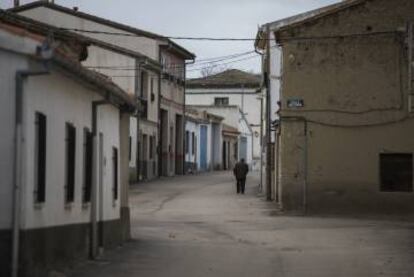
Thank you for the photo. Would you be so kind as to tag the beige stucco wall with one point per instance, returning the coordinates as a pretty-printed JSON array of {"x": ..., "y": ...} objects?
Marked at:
[{"x": 355, "y": 95}]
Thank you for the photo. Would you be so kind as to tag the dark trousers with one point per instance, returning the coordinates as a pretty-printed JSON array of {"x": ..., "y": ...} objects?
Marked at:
[{"x": 241, "y": 184}]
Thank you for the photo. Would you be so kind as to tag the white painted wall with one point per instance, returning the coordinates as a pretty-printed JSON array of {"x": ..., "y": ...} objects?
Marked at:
[
  {"x": 67, "y": 101},
  {"x": 248, "y": 101},
  {"x": 133, "y": 134},
  {"x": 192, "y": 127},
  {"x": 143, "y": 45},
  {"x": 9, "y": 64},
  {"x": 232, "y": 116},
  {"x": 100, "y": 59},
  {"x": 275, "y": 74}
]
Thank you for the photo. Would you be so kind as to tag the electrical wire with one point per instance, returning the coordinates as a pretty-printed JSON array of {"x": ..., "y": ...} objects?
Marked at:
[
  {"x": 126, "y": 68},
  {"x": 160, "y": 37},
  {"x": 190, "y": 70},
  {"x": 213, "y": 62}
]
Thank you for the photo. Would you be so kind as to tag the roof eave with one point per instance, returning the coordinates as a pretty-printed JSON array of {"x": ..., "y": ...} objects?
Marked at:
[{"x": 315, "y": 15}]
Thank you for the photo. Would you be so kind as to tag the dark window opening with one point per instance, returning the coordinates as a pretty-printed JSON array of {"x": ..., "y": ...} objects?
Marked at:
[
  {"x": 152, "y": 90},
  {"x": 40, "y": 137},
  {"x": 144, "y": 84},
  {"x": 193, "y": 143},
  {"x": 87, "y": 166},
  {"x": 70, "y": 162},
  {"x": 187, "y": 141},
  {"x": 115, "y": 172},
  {"x": 396, "y": 172},
  {"x": 144, "y": 109},
  {"x": 221, "y": 101},
  {"x": 151, "y": 147}
]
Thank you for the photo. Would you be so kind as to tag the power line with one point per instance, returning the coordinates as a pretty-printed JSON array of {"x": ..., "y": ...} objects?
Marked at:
[
  {"x": 190, "y": 70},
  {"x": 227, "y": 56},
  {"x": 179, "y": 66},
  {"x": 160, "y": 37}
]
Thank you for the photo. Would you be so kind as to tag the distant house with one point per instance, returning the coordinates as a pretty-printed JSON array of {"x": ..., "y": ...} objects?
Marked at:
[
  {"x": 146, "y": 65},
  {"x": 235, "y": 119},
  {"x": 233, "y": 88},
  {"x": 230, "y": 146},
  {"x": 346, "y": 117},
  {"x": 64, "y": 145},
  {"x": 203, "y": 141}
]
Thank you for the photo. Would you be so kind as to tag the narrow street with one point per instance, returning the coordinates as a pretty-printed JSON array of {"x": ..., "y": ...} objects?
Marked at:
[{"x": 199, "y": 226}]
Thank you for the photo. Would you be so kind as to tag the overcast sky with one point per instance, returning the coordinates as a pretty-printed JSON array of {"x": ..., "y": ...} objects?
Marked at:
[{"x": 197, "y": 18}]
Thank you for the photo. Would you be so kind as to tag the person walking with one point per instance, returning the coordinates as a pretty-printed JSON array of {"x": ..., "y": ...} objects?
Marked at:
[{"x": 240, "y": 172}]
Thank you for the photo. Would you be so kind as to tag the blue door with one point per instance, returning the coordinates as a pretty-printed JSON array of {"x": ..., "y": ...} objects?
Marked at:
[{"x": 203, "y": 148}]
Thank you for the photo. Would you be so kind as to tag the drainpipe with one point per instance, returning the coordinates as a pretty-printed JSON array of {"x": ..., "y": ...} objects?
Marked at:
[
  {"x": 184, "y": 110},
  {"x": 262, "y": 142},
  {"x": 261, "y": 145},
  {"x": 94, "y": 200},
  {"x": 20, "y": 77},
  {"x": 268, "y": 119}
]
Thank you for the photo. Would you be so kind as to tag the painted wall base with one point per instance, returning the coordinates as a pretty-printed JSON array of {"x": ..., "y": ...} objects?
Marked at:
[
  {"x": 57, "y": 248},
  {"x": 5, "y": 252}
]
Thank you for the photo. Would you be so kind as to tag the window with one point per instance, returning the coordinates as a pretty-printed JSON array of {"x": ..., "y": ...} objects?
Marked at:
[
  {"x": 193, "y": 143},
  {"x": 40, "y": 154},
  {"x": 152, "y": 90},
  {"x": 396, "y": 172},
  {"x": 152, "y": 138},
  {"x": 115, "y": 172},
  {"x": 221, "y": 101},
  {"x": 144, "y": 84},
  {"x": 70, "y": 162},
  {"x": 87, "y": 165},
  {"x": 236, "y": 151},
  {"x": 187, "y": 141}
]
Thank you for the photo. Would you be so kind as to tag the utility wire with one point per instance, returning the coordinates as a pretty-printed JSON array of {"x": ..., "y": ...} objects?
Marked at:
[
  {"x": 179, "y": 66},
  {"x": 230, "y": 38},
  {"x": 160, "y": 37},
  {"x": 190, "y": 70}
]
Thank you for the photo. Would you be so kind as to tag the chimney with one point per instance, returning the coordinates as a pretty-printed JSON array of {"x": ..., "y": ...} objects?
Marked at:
[{"x": 16, "y": 3}]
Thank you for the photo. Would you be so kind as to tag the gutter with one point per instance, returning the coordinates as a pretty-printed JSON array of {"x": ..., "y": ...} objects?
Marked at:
[{"x": 20, "y": 77}]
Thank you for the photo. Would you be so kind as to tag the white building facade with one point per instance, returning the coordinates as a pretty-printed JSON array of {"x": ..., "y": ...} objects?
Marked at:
[
  {"x": 203, "y": 141},
  {"x": 233, "y": 117},
  {"x": 233, "y": 88},
  {"x": 145, "y": 65},
  {"x": 64, "y": 167}
]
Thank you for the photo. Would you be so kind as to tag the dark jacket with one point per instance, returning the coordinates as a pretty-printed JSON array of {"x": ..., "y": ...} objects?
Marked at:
[{"x": 241, "y": 170}]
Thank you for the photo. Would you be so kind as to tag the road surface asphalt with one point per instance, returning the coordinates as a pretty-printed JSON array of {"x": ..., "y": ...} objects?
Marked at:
[{"x": 198, "y": 226}]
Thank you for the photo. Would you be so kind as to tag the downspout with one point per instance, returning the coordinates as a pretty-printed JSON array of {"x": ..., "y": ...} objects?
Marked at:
[
  {"x": 184, "y": 110},
  {"x": 138, "y": 84},
  {"x": 261, "y": 145},
  {"x": 94, "y": 200},
  {"x": 159, "y": 152},
  {"x": 261, "y": 126},
  {"x": 20, "y": 77}
]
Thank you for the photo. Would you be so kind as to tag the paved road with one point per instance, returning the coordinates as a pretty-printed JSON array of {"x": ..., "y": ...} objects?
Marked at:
[{"x": 197, "y": 226}]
